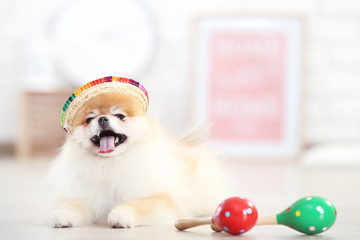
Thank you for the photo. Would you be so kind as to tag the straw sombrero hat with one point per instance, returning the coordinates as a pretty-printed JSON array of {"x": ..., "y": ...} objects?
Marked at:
[{"x": 126, "y": 92}]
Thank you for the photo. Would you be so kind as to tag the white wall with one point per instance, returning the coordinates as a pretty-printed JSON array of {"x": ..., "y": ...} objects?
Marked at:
[{"x": 331, "y": 81}]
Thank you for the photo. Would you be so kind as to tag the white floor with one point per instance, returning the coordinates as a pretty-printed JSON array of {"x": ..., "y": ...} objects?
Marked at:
[{"x": 24, "y": 203}]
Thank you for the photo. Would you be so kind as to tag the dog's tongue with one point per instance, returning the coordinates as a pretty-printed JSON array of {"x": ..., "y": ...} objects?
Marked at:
[{"x": 107, "y": 144}]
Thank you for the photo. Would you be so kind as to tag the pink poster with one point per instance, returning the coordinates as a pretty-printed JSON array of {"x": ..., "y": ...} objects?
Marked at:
[{"x": 247, "y": 86}]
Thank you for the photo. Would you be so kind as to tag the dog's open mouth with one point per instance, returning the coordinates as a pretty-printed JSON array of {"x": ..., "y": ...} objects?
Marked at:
[{"x": 108, "y": 140}]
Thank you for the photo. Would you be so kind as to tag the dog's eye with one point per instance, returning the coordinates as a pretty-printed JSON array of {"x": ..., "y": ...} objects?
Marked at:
[
  {"x": 120, "y": 116},
  {"x": 88, "y": 120}
]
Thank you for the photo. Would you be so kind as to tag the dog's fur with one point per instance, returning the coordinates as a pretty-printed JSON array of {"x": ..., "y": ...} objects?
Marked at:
[{"x": 151, "y": 178}]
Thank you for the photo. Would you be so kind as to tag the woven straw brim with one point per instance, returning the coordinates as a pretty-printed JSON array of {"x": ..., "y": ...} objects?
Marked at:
[{"x": 130, "y": 97}]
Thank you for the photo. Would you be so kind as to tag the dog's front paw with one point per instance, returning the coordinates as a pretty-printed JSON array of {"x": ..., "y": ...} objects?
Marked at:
[
  {"x": 62, "y": 219},
  {"x": 122, "y": 216}
]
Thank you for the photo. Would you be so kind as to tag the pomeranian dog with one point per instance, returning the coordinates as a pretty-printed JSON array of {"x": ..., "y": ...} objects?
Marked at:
[{"x": 124, "y": 170}]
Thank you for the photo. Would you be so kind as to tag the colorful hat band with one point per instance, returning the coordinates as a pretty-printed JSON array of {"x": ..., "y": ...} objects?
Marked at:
[{"x": 123, "y": 86}]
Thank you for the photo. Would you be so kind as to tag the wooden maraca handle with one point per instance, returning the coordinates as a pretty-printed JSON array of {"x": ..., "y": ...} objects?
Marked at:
[
  {"x": 215, "y": 228},
  {"x": 183, "y": 224},
  {"x": 268, "y": 220}
]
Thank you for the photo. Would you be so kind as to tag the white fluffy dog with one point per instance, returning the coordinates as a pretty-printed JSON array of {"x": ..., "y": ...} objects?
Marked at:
[{"x": 125, "y": 171}]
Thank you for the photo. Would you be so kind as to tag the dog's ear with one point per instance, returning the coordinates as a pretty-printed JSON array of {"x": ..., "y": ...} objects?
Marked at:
[{"x": 80, "y": 118}]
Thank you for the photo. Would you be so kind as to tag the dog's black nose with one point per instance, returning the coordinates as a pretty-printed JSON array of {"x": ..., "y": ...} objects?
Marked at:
[{"x": 103, "y": 121}]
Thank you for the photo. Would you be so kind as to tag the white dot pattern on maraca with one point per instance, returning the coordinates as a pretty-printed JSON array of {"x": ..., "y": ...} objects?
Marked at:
[
  {"x": 228, "y": 214},
  {"x": 309, "y": 215}
]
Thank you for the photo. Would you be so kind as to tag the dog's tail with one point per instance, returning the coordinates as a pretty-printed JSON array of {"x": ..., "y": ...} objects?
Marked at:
[{"x": 196, "y": 135}]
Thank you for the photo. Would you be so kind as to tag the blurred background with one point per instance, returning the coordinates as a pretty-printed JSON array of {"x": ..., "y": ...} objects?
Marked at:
[{"x": 50, "y": 48}]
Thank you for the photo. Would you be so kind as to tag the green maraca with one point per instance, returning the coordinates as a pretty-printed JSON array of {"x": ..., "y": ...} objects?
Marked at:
[{"x": 309, "y": 215}]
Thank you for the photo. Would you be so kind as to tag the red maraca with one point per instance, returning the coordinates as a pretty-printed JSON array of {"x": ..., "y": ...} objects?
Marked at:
[{"x": 235, "y": 215}]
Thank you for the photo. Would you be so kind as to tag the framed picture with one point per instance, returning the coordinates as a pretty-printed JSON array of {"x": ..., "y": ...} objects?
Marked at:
[{"x": 248, "y": 73}]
